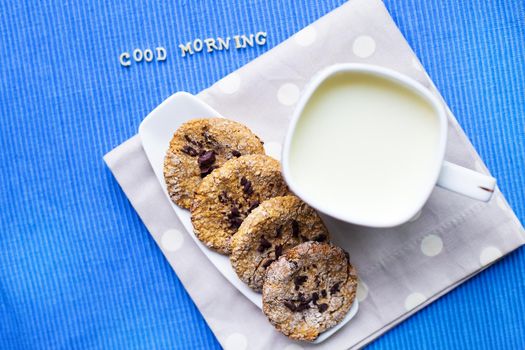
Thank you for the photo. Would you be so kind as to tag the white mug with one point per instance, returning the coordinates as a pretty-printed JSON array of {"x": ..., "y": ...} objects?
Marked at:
[{"x": 444, "y": 174}]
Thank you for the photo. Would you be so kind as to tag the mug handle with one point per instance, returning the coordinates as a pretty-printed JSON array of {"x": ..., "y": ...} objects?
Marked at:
[{"x": 466, "y": 182}]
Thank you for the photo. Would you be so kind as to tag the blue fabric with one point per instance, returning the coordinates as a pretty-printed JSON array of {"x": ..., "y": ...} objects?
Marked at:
[{"x": 77, "y": 267}]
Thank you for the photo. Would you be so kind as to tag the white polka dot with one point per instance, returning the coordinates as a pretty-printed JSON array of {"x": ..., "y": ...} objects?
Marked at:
[
  {"x": 230, "y": 83},
  {"x": 172, "y": 240},
  {"x": 431, "y": 245},
  {"x": 236, "y": 341},
  {"x": 416, "y": 64},
  {"x": 479, "y": 167},
  {"x": 288, "y": 94},
  {"x": 293, "y": 347},
  {"x": 362, "y": 291},
  {"x": 415, "y": 217},
  {"x": 488, "y": 255},
  {"x": 273, "y": 149},
  {"x": 413, "y": 300},
  {"x": 306, "y": 36},
  {"x": 364, "y": 46},
  {"x": 501, "y": 203}
]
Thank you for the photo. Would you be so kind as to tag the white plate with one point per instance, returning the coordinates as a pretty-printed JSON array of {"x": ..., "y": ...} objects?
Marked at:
[{"x": 156, "y": 131}]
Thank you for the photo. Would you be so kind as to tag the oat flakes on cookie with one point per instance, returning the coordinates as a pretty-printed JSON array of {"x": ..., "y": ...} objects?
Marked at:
[
  {"x": 198, "y": 147},
  {"x": 309, "y": 290},
  {"x": 270, "y": 230},
  {"x": 226, "y": 196}
]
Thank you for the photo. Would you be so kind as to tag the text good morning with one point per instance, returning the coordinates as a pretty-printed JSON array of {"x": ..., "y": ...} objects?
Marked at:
[{"x": 219, "y": 44}]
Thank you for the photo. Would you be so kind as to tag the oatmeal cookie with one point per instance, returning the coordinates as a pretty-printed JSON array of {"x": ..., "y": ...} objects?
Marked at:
[
  {"x": 226, "y": 196},
  {"x": 277, "y": 225},
  {"x": 198, "y": 147},
  {"x": 309, "y": 290}
]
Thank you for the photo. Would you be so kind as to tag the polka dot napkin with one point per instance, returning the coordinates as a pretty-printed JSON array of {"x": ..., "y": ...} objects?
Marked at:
[{"x": 401, "y": 269}]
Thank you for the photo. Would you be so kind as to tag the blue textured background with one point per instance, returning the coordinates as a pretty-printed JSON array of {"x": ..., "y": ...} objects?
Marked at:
[{"x": 77, "y": 267}]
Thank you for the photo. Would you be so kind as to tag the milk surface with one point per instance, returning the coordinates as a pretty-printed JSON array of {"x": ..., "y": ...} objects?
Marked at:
[{"x": 365, "y": 146}]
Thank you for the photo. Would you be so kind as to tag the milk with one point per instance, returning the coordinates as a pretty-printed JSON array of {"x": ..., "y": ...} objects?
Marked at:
[{"x": 366, "y": 146}]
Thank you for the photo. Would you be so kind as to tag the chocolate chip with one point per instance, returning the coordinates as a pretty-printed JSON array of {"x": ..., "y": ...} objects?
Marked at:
[
  {"x": 264, "y": 244},
  {"x": 278, "y": 231},
  {"x": 289, "y": 305},
  {"x": 321, "y": 238},
  {"x": 302, "y": 306},
  {"x": 253, "y": 205},
  {"x": 235, "y": 211},
  {"x": 209, "y": 138},
  {"x": 246, "y": 186},
  {"x": 323, "y": 293},
  {"x": 189, "y": 139},
  {"x": 335, "y": 288},
  {"x": 267, "y": 263},
  {"x": 234, "y": 217},
  {"x": 315, "y": 297},
  {"x": 295, "y": 228},
  {"x": 235, "y": 222},
  {"x": 189, "y": 151},
  {"x": 279, "y": 251},
  {"x": 322, "y": 307},
  {"x": 223, "y": 197},
  {"x": 193, "y": 142},
  {"x": 206, "y": 159},
  {"x": 347, "y": 256},
  {"x": 207, "y": 171},
  {"x": 299, "y": 280},
  {"x": 236, "y": 153}
]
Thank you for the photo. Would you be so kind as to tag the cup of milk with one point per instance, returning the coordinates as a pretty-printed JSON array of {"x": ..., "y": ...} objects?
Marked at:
[{"x": 366, "y": 145}]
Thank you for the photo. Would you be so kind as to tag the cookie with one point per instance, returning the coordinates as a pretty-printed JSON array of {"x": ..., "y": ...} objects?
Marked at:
[
  {"x": 277, "y": 225},
  {"x": 309, "y": 290},
  {"x": 198, "y": 147},
  {"x": 226, "y": 196}
]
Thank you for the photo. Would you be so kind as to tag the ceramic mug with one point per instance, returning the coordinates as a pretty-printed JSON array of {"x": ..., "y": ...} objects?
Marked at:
[{"x": 440, "y": 172}]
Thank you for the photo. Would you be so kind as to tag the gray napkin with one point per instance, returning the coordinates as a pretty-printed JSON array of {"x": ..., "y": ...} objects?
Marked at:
[{"x": 401, "y": 269}]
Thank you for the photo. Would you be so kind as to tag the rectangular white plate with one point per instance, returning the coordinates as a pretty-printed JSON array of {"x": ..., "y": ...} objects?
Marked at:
[{"x": 156, "y": 131}]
